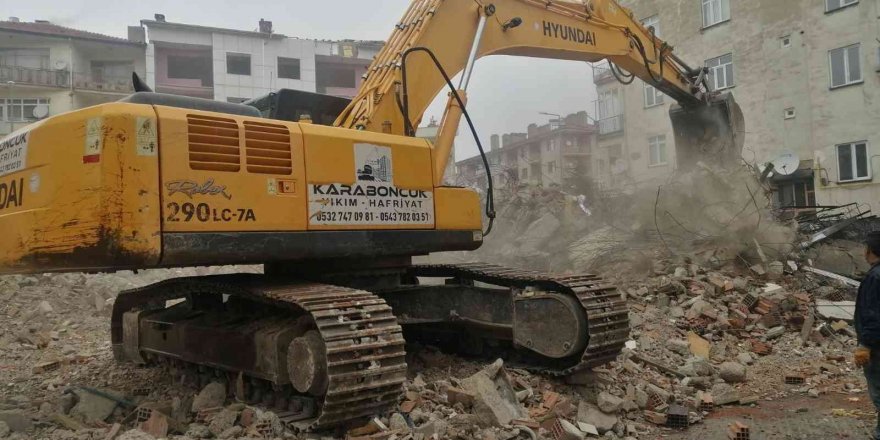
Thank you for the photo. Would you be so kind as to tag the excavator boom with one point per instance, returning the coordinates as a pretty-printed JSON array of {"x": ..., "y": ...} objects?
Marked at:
[{"x": 457, "y": 32}]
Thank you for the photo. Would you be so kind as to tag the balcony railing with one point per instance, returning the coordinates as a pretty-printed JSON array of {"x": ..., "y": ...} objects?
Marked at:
[
  {"x": 611, "y": 125},
  {"x": 34, "y": 77},
  {"x": 576, "y": 150},
  {"x": 61, "y": 78},
  {"x": 103, "y": 83},
  {"x": 601, "y": 73}
]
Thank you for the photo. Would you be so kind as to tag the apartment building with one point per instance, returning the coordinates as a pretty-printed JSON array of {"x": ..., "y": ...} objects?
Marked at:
[
  {"x": 804, "y": 71},
  {"x": 47, "y": 69},
  {"x": 236, "y": 65},
  {"x": 554, "y": 154}
]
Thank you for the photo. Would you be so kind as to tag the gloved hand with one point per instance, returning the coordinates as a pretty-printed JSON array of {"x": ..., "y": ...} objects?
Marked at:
[{"x": 862, "y": 356}]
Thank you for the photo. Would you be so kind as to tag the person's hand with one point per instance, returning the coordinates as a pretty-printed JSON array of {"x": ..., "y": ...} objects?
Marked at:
[{"x": 862, "y": 356}]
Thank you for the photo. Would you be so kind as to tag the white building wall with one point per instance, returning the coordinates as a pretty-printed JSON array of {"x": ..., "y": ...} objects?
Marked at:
[{"x": 264, "y": 65}]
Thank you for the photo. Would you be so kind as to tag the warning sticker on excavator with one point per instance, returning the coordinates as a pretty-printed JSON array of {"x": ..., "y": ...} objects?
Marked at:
[
  {"x": 147, "y": 142},
  {"x": 94, "y": 140},
  {"x": 373, "y": 199}
]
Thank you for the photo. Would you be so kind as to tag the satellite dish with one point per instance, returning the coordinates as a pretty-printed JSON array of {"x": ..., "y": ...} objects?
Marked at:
[
  {"x": 41, "y": 111},
  {"x": 786, "y": 163},
  {"x": 60, "y": 64}
]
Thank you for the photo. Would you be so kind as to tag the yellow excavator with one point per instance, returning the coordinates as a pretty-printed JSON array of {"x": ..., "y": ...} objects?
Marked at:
[{"x": 333, "y": 199}]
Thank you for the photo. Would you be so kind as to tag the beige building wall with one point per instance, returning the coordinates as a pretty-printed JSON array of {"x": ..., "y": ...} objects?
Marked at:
[{"x": 781, "y": 62}]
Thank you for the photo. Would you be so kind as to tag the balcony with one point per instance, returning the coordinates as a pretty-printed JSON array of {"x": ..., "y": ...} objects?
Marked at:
[
  {"x": 576, "y": 150},
  {"x": 602, "y": 73},
  {"x": 611, "y": 125},
  {"x": 26, "y": 76},
  {"x": 103, "y": 83},
  {"x": 34, "y": 77}
]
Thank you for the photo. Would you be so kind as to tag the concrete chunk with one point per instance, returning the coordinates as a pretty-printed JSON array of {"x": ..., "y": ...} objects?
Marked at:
[
  {"x": 590, "y": 414},
  {"x": 495, "y": 401}
]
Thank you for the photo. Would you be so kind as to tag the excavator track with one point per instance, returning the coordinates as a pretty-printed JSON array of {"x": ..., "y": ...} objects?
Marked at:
[
  {"x": 365, "y": 357},
  {"x": 604, "y": 306}
]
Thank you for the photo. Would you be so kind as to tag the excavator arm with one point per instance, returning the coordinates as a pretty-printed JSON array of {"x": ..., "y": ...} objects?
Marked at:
[{"x": 457, "y": 32}]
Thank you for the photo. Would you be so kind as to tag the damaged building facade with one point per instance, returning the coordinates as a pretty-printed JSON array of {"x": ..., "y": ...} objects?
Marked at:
[
  {"x": 553, "y": 154},
  {"x": 235, "y": 65},
  {"x": 47, "y": 69},
  {"x": 804, "y": 72}
]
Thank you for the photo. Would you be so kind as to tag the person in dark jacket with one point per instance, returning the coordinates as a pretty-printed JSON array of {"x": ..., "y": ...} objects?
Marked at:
[{"x": 867, "y": 323}]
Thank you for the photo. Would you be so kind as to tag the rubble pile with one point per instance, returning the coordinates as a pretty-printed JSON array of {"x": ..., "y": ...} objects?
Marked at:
[
  {"x": 712, "y": 216},
  {"x": 725, "y": 310}
]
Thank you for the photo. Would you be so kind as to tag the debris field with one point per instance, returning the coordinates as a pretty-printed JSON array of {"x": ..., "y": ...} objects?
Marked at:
[{"x": 738, "y": 332}]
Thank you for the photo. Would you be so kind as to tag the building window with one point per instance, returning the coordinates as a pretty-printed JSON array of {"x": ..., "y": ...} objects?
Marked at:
[
  {"x": 846, "y": 66},
  {"x": 657, "y": 150},
  {"x": 524, "y": 174},
  {"x": 238, "y": 64},
  {"x": 796, "y": 194},
  {"x": 785, "y": 41},
  {"x": 20, "y": 110},
  {"x": 790, "y": 113},
  {"x": 27, "y": 58},
  {"x": 653, "y": 22},
  {"x": 720, "y": 72},
  {"x": 110, "y": 71},
  {"x": 191, "y": 67},
  {"x": 715, "y": 11},
  {"x": 653, "y": 97},
  {"x": 551, "y": 167},
  {"x": 288, "y": 68},
  {"x": 853, "y": 162},
  {"x": 609, "y": 111},
  {"x": 833, "y": 5},
  {"x": 335, "y": 76}
]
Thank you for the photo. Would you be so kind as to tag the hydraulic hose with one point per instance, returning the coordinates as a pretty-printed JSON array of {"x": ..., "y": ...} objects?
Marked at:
[{"x": 490, "y": 188}]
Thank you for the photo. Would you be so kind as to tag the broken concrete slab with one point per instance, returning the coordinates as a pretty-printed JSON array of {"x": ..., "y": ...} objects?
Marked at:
[
  {"x": 565, "y": 430},
  {"x": 836, "y": 310},
  {"x": 609, "y": 403},
  {"x": 775, "y": 332},
  {"x": 591, "y": 414},
  {"x": 732, "y": 372},
  {"x": 93, "y": 407},
  {"x": 212, "y": 395},
  {"x": 495, "y": 400},
  {"x": 397, "y": 422}
]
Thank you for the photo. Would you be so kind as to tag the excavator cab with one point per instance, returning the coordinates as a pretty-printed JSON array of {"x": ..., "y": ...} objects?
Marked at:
[{"x": 712, "y": 133}]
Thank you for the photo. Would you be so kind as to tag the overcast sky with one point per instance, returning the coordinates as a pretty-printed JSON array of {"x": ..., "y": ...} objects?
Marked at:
[{"x": 505, "y": 94}]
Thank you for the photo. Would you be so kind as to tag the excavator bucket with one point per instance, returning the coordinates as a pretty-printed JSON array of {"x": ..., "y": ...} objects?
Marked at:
[{"x": 711, "y": 133}]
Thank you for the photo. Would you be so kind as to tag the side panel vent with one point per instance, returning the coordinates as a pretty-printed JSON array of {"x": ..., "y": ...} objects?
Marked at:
[
  {"x": 268, "y": 148},
  {"x": 213, "y": 143}
]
